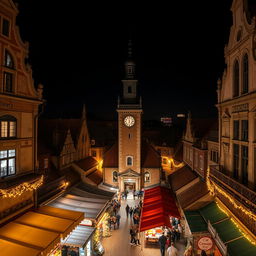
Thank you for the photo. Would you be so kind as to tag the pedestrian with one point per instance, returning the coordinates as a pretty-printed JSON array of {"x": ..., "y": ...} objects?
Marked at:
[
  {"x": 127, "y": 208},
  {"x": 131, "y": 212},
  {"x": 134, "y": 194},
  {"x": 172, "y": 251},
  {"x": 137, "y": 238},
  {"x": 203, "y": 253},
  {"x": 118, "y": 217},
  {"x": 162, "y": 242},
  {"x": 132, "y": 234}
]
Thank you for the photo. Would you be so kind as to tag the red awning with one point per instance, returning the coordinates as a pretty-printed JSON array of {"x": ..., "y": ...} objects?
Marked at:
[{"x": 158, "y": 206}]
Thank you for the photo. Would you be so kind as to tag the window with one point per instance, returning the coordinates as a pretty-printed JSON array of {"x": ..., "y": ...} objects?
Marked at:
[
  {"x": 164, "y": 160},
  {"x": 214, "y": 156},
  {"x": 5, "y": 27},
  {"x": 236, "y": 130},
  {"x": 94, "y": 153},
  {"x": 244, "y": 166},
  {"x": 8, "y": 60},
  {"x": 129, "y": 161},
  {"x": 147, "y": 177},
  {"x": 235, "y": 160},
  {"x": 115, "y": 176},
  {"x": 245, "y": 74},
  {"x": 8, "y": 82},
  {"x": 7, "y": 127},
  {"x": 236, "y": 79},
  {"x": 46, "y": 163},
  {"x": 244, "y": 130},
  {"x": 7, "y": 162},
  {"x": 129, "y": 89}
]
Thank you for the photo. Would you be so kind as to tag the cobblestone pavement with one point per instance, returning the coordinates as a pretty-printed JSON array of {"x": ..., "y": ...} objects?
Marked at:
[{"x": 118, "y": 244}]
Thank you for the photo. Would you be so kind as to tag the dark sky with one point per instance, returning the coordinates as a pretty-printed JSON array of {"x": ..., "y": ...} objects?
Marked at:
[{"x": 78, "y": 51}]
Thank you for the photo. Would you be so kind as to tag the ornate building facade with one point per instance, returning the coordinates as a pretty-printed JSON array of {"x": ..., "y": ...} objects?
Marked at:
[
  {"x": 234, "y": 178},
  {"x": 19, "y": 104}
]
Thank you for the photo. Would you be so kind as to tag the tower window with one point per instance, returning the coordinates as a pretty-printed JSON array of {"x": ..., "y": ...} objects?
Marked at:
[
  {"x": 129, "y": 89},
  {"x": 6, "y": 27},
  {"x": 129, "y": 160}
]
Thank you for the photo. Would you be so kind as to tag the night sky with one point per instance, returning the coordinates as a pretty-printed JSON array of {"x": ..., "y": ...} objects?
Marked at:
[{"x": 78, "y": 52}]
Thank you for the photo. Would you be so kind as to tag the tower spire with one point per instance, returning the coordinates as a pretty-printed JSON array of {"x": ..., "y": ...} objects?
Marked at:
[
  {"x": 129, "y": 64},
  {"x": 130, "y": 49}
]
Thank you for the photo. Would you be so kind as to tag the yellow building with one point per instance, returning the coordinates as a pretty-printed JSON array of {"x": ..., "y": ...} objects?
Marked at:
[{"x": 19, "y": 103}]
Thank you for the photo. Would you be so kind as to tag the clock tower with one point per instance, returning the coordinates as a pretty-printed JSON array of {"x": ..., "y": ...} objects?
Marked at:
[{"x": 129, "y": 110}]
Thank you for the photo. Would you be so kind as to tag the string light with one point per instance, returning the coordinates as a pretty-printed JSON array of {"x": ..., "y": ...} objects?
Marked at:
[
  {"x": 171, "y": 161},
  {"x": 21, "y": 188},
  {"x": 212, "y": 188}
]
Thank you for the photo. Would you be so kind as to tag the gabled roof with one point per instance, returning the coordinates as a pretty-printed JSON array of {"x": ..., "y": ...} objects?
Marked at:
[
  {"x": 181, "y": 177},
  {"x": 96, "y": 176},
  {"x": 129, "y": 172},
  {"x": 150, "y": 158},
  {"x": 87, "y": 163},
  {"x": 111, "y": 157}
]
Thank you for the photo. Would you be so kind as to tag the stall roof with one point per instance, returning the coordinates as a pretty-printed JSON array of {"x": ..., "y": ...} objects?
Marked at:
[
  {"x": 84, "y": 198},
  {"x": 32, "y": 237},
  {"x": 241, "y": 247},
  {"x": 46, "y": 222},
  {"x": 195, "y": 221},
  {"x": 77, "y": 217},
  {"x": 158, "y": 206},
  {"x": 9, "y": 248},
  {"x": 79, "y": 237}
]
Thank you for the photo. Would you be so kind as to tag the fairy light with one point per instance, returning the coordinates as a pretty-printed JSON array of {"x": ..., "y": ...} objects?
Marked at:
[
  {"x": 21, "y": 188},
  {"x": 212, "y": 188},
  {"x": 171, "y": 161}
]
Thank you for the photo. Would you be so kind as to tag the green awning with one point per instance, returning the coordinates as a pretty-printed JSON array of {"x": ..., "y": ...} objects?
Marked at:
[
  {"x": 195, "y": 221},
  {"x": 241, "y": 247},
  {"x": 212, "y": 213},
  {"x": 227, "y": 230}
]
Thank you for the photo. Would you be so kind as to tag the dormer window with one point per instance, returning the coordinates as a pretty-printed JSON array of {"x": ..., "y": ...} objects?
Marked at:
[
  {"x": 8, "y": 75},
  {"x": 5, "y": 27}
]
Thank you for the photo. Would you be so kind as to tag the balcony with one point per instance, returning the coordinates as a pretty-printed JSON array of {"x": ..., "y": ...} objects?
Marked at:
[{"x": 239, "y": 191}]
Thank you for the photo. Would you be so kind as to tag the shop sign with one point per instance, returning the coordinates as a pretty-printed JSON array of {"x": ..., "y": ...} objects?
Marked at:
[
  {"x": 86, "y": 222},
  {"x": 205, "y": 243}
]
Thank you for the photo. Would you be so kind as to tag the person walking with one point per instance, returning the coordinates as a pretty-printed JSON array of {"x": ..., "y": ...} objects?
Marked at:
[
  {"x": 172, "y": 251},
  {"x": 118, "y": 217},
  {"x": 127, "y": 208},
  {"x": 132, "y": 233},
  {"x": 131, "y": 212},
  {"x": 162, "y": 242}
]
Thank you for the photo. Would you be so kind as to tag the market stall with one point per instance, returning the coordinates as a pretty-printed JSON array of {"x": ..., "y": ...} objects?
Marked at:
[
  {"x": 35, "y": 238},
  {"x": 158, "y": 209}
]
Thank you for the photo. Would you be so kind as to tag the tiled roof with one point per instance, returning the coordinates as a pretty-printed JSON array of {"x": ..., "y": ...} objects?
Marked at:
[
  {"x": 96, "y": 176},
  {"x": 192, "y": 194},
  {"x": 111, "y": 157},
  {"x": 181, "y": 177},
  {"x": 150, "y": 158},
  {"x": 87, "y": 163}
]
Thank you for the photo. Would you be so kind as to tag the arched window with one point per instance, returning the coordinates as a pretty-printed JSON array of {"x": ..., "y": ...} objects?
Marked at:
[
  {"x": 115, "y": 177},
  {"x": 146, "y": 177},
  {"x": 236, "y": 79},
  {"x": 129, "y": 160},
  {"x": 8, "y": 60},
  {"x": 7, "y": 127},
  {"x": 245, "y": 74}
]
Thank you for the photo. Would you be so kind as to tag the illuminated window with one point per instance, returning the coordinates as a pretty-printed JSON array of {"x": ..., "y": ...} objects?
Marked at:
[
  {"x": 5, "y": 27},
  {"x": 236, "y": 79},
  {"x": 147, "y": 177},
  {"x": 164, "y": 160},
  {"x": 115, "y": 177},
  {"x": 7, "y": 127},
  {"x": 129, "y": 161},
  {"x": 7, "y": 162},
  {"x": 245, "y": 74}
]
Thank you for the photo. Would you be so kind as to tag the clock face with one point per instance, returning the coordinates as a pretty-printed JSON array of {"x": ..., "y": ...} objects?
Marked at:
[{"x": 129, "y": 121}]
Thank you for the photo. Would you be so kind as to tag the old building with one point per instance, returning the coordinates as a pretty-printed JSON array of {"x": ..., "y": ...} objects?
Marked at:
[
  {"x": 19, "y": 111},
  {"x": 131, "y": 163},
  {"x": 234, "y": 179}
]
